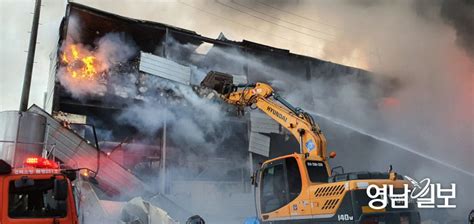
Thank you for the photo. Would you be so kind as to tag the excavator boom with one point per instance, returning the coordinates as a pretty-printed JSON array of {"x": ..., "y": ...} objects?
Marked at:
[{"x": 261, "y": 95}]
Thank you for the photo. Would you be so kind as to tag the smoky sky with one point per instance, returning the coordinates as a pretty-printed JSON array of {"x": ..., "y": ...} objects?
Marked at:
[
  {"x": 457, "y": 13},
  {"x": 460, "y": 14}
]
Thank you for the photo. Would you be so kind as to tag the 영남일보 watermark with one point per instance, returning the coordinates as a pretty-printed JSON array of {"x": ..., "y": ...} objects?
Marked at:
[{"x": 424, "y": 193}]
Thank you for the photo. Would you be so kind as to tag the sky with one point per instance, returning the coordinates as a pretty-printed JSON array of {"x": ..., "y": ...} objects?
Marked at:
[{"x": 16, "y": 19}]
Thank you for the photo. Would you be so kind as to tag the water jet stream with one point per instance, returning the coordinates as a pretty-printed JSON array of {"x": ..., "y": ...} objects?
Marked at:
[{"x": 388, "y": 141}]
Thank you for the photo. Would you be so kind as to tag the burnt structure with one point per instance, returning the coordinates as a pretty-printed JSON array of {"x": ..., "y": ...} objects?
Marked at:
[
  {"x": 181, "y": 46},
  {"x": 146, "y": 156}
]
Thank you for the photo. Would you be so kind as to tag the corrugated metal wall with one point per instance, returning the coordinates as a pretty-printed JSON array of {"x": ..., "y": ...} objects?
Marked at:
[
  {"x": 164, "y": 68},
  {"x": 261, "y": 123},
  {"x": 76, "y": 152}
]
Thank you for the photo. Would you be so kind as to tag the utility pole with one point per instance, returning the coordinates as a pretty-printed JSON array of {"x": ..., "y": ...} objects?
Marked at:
[
  {"x": 30, "y": 59},
  {"x": 163, "y": 159}
]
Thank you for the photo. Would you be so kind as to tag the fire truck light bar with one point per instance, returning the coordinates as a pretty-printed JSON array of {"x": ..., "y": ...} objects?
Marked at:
[{"x": 38, "y": 162}]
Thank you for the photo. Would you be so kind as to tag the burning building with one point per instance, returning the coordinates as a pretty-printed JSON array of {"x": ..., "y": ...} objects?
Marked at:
[
  {"x": 108, "y": 72},
  {"x": 137, "y": 83}
]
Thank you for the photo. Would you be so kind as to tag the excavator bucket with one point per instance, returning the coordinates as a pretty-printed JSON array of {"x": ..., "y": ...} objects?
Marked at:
[{"x": 218, "y": 81}]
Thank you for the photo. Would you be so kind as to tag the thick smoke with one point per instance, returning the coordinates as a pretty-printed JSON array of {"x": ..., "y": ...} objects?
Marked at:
[
  {"x": 115, "y": 48},
  {"x": 433, "y": 65},
  {"x": 109, "y": 51},
  {"x": 193, "y": 121},
  {"x": 412, "y": 122},
  {"x": 425, "y": 51},
  {"x": 428, "y": 109},
  {"x": 198, "y": 133},
  {"x": 460, "y": 14},
  {"x": 435, "y": 76}
]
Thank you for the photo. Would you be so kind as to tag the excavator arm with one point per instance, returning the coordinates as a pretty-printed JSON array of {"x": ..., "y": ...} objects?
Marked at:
[{"x": 262, "y": 96}]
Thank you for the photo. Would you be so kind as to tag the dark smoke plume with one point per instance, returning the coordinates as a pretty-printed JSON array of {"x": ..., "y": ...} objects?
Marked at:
[{"x": 460, "y": 14}]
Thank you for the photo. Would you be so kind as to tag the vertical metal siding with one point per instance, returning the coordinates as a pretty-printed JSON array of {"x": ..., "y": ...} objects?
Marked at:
[
  {"x": 259, "y": 144},
  {"x": 74, "y": 151},
  {"x": 164, "y": 68},
  {"x": 260, "y": 122}
]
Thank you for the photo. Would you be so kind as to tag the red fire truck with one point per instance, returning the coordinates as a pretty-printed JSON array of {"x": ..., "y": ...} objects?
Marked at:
[{"x": 39, "y": 192}]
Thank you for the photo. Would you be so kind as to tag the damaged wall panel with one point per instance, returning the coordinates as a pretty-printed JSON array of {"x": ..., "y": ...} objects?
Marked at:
[
  {"x": 259, "y": 144},
  {"x": 76, "y": 152},
  {"x": 260, "y": 122},
  {"x": 164, "y": 68}
]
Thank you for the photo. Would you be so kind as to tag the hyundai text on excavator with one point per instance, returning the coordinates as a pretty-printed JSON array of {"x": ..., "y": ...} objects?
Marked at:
[{"x": 299, "y": 188}]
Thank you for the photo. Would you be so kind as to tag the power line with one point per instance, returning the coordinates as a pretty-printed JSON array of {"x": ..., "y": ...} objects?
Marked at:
[
  {"x": 286, "y": 21},
  {"x": 296, "y": 15},
  {"x": 302, "y": 17},
  {"x": 269, "y": 21},
  {"x": 329, "y": 42},
  {"x": 247, "y": 26},
  {"x": 261, "y": 31}
]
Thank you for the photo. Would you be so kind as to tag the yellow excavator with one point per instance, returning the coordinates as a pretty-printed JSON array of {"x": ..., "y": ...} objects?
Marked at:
[{"x": 299, "y": 188}]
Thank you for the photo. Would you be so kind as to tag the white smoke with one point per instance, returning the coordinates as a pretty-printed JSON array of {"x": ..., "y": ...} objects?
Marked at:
[
  {"x": 420, "y": 124},
  {"x": 190, "y": 118},
  {"x": 109, "y": 51},
  {"x": 432, "y": 81},
  {"x": 115, "y": 48}
]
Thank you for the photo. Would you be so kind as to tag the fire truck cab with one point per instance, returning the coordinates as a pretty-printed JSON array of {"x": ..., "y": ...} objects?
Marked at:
[{"x": 38, "y": 192}]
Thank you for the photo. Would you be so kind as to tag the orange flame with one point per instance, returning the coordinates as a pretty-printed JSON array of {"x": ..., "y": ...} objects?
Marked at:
[{"x": 80, "y": 63}]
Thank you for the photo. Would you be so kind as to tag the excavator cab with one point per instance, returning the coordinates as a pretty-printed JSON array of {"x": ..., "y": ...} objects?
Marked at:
[
  {"x": 296, "y": 189},
  {"x": 281, "y": 185}
]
